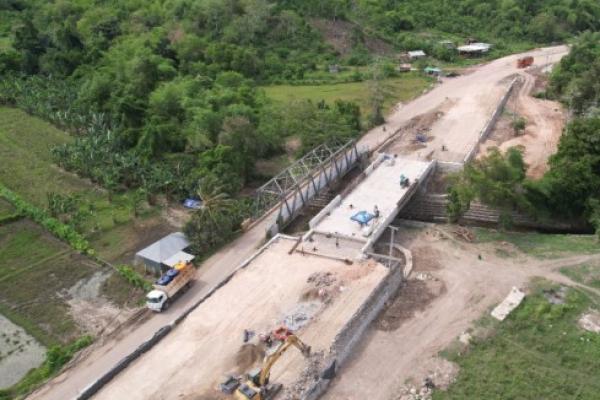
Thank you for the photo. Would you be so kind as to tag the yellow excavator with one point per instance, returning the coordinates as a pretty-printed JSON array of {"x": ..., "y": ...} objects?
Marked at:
[{"x": 257, "y": 386}]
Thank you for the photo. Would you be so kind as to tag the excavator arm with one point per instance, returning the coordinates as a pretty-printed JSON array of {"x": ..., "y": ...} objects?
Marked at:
[
  {"x": 291, "y": 340},
  {"x": 260, "y": 389}
]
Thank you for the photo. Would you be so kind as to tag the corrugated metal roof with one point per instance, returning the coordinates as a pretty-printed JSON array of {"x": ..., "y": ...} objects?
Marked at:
[
  {"x": 164, "y": 248},
  {"x": 416, "y": 53},
  {"x": 180, "y": 256},
  {"x": 475, "y": 47}
]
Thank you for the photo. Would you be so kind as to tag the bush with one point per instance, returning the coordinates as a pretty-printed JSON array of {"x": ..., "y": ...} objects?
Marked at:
[
  {"x": 518, "y": 125},
  {"x": 64, "y": 232},
  {"x": 134, "y": 278}
]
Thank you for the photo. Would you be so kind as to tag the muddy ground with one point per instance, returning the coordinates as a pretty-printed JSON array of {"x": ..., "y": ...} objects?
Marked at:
[{"x": 19, "y": 352}]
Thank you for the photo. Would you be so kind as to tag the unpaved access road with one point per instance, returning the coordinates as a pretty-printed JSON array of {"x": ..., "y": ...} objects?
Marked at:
[
  {"x": 104, "y": 354},
  {"x": 275, "y": 287},
  {"x": 388, "y": 358},
  {"x": 466, "y": 103}
]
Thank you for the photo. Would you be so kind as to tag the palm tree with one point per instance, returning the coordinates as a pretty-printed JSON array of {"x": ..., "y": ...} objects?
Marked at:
[
  {"x": 214, "y": 200},
  {"x": 212, "y": 224}
]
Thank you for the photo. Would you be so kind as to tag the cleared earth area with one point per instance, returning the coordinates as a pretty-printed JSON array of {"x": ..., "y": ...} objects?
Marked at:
[
  {"x": 451, "y": 116},
  {"x": 458, "y": 281},
  {"x": 275, "y": 288},
  {"x": 544, "y": 123}
]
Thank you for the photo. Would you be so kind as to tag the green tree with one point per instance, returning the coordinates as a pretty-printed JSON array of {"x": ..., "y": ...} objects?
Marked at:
[
  {"x": 496, "y": 179},
  {"x": 215, "y": 223}
]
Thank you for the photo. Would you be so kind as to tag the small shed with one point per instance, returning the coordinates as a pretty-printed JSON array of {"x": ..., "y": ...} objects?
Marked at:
[
  {"x": 164, "y": 253},
  {"x": 474, "y": 49},
  {"x": 416, "y": 54}
]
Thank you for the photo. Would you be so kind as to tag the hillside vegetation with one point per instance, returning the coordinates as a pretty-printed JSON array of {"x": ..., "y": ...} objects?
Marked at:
[
  {"x": 571, "y": 188},
  {"x": 164, "y": 96}
]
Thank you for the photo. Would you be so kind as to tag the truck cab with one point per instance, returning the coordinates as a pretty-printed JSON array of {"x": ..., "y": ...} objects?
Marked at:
[{"x": 156, "y": 300}]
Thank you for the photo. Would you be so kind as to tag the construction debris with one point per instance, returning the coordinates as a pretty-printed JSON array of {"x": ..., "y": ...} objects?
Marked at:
[
  {"x": 464, "y": 234},
  {"x": 322, "y": 286},
  {"x": 301, "y": 315},
  {"x": 512, "y": 301},
  {"x": 309, "y": 375},
  {"x": 439, "y": 377},
  {"x": 248, "y": 355},
  {"x": 590, "y": 322}
]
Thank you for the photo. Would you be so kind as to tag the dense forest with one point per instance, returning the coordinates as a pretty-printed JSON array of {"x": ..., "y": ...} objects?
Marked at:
[{"x": 164, "y": 97}]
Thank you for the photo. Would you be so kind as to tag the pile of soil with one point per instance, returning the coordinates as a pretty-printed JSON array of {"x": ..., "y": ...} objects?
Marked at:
[
  {"x": 248, "y": 355},
  {"x": 413, "y": 296},
  {"x": 321, "y": 286}
]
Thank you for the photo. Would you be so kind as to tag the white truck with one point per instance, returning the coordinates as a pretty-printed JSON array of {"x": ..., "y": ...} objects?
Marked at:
[{"x": 161, "y": 296}]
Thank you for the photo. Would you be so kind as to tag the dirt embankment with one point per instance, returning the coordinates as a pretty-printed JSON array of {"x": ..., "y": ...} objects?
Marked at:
[
  {"x": 544, "y": 123},
  {"x": 344, "y": 35}
]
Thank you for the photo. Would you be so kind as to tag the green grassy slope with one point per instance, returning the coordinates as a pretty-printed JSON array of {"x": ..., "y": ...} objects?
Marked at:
[
  {"x": 403, "y": 88},
  {"x": 538, "y": 352}
]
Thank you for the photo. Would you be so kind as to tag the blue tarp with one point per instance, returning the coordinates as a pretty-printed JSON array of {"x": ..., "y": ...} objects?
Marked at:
[
  {"x": 172, "y": 272},
  {"x": 164, "y": 280},
  {"x": 362, "y": 217},
  {"x": 194, "y": 204}
]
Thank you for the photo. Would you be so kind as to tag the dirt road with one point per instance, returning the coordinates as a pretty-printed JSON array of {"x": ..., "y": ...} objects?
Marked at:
[
  {"x": 466, "y": 103},
  {"x": 471, "y": 286}
]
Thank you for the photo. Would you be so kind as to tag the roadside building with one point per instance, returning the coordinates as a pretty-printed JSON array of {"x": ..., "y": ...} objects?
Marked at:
[
  {"x": 474, "y": 49},
  {"x": 416, "y": 54},
  {"x": 164, "y": 253}
]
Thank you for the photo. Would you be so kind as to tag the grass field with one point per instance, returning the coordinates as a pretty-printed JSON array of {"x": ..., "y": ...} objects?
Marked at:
[
  {"x": 6, "y": 209},
  {"x": 34, "y": 268},
  {"x": 538, "y": 352},
  {"x": 25, "y": 144},
  {"x": 35, "y": 271},
  {"x": 542, "y": 245},
  {"x": 404, "y": 88},
  {"x": 588, "y": 274}
]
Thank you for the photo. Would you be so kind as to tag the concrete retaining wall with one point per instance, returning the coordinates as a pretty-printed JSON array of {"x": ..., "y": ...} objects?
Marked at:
[
  {"x": 432, "y": 208},
  {"x": 354, "y": 330},
  {"x": 487, "y": 129},
  {"x": 448, "y": 167},
  {"x": 374, "y": 165},
  {"x": 161, "y": 333},
  {"x": 325, "y": 211}
]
